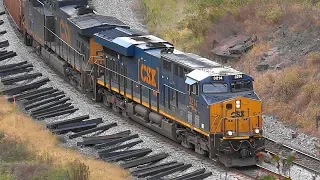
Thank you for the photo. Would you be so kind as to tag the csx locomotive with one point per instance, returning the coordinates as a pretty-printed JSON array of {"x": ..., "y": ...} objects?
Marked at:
[{"x": 199, "y": 103}]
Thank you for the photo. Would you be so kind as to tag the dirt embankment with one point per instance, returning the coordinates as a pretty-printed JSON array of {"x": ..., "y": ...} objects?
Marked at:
[
  {"x": 40, "y": 142},
  {"x": 284, "y": 61},
  {"x": 288, "y": 50}
]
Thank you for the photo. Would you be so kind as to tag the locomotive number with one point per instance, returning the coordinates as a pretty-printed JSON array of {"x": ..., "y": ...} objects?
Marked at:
[
  {"x": 64, "y": 31},
  {"x": 148, "y": 75},
  {"x": 193, "y": 103},
  {"x": 237, "y": 114}
]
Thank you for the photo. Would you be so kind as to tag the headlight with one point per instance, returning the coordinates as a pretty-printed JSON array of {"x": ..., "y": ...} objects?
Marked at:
[
  {"x": 256, "y": 131},
  {"x": 238, "y": 104},
  {"x": 229, "y": 133}
]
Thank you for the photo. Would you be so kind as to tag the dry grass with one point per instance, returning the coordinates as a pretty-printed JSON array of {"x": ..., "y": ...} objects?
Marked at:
[
  {"x": 292, "y": 93},
  {"x": 40, "y": 140}
]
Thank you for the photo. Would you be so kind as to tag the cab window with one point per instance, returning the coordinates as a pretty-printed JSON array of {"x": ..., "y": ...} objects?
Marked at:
[
  {"x": 215, "y": 88},
  {"x": 241, "y": 86},
  {"x": 193, "y": 89}
]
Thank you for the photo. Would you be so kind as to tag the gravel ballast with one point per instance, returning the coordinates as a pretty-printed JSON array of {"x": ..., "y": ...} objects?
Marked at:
[
  {"x": 122, "y": 10},
  {"x": 86, "y": 106}
]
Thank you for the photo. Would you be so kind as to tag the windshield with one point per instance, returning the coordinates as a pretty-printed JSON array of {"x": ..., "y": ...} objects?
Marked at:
[
  {"x": 215, "y": 88},
  {"x": 241, "y": 86}
]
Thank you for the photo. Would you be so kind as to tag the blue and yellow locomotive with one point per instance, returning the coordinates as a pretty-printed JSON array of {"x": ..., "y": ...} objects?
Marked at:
[
  {"x": 195, "y": 101},
  {"x": 192, "y": 100}
]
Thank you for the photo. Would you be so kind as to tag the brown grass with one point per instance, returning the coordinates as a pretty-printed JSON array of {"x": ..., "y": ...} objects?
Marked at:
[
  {"x": 40, "y": 140},
  {"x": 292, "y": 93}
]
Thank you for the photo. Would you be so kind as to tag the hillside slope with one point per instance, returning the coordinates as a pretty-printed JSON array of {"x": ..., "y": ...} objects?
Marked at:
[
  {"x": 284, "y": 61},
  {"x": 39, "y": 142}
]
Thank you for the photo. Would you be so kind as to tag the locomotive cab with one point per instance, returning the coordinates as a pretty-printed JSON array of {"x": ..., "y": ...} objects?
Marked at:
[{"x": 234, "y": 116}]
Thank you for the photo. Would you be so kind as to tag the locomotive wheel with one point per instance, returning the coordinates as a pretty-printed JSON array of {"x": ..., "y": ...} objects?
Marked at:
[
  {"x": 106, "y": 103},
  {"x": 199, "y": 150},
  {"x": 115, "y": 108},
  {"x": 185, "y": 143},
  {"x": 124, "y": 113}
]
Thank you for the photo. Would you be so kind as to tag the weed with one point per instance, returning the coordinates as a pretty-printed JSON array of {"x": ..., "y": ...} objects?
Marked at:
[
  {"x": 267, "y": 178},
  {"x": 45, "y": 157},
  {"x": 53, "y": 173},
  {"x": 11, "y": 150},
  {"x": 5, "y": 175},
  {"x": 78, "y": 171},
  {"x": 2, "y": 135},
  {"x": 313, "y": 59}
]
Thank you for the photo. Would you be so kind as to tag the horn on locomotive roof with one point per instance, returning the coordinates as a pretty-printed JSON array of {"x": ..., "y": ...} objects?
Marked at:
[
  {"x": 84, "y": 9},
  {"x": 167, "y": 50}
]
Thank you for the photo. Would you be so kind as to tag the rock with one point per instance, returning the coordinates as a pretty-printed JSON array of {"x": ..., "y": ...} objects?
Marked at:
[
  {"x": 232, "y": 48},
  {"x": 294, "y": 134}
]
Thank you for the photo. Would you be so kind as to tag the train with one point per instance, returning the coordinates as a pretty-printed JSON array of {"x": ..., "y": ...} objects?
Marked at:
[{"x": 194, "y": 101}]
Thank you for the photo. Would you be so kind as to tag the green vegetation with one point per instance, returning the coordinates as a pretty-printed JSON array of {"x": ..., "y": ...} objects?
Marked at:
[
  {"x": 185, "y": 22},
  {"x": 267, "y": 178},
  {"x": 17, "y": 162}
]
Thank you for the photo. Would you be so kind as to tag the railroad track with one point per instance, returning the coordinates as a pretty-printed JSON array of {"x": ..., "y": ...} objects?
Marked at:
[
  {"x": 304, "y": 160},
  {"x": 80, "y": 126},
  {"x": 253, "y": 172},
  {"x": 25, "y": 88},
  {"x": 258, "y": 171}
]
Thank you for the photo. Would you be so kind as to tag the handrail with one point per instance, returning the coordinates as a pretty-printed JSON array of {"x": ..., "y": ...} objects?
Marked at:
[
  {"x": 124, "y": 76},
  {"x": 64, "y": 42}
]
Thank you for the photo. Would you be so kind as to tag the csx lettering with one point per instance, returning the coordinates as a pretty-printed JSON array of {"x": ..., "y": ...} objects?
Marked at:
[
  {"x": 237, "y": 114},
  {"x": 148, "y": 75},
  {"x": 193, "y": 103},
  {"x": 64, "y": 31}
]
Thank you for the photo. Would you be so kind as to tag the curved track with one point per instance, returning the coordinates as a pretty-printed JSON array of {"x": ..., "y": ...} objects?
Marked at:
[
  {"x": 304, "y": 160},
  {"x": 258, "y": 171}
]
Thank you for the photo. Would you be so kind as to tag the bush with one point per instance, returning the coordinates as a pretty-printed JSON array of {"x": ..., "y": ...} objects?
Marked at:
[
  {"x": 313, "y": 59},
  {"x": 288, "y": 85},
  {"x": 78, "y": 171},
  {"x": 12, "y": 150},
  {"x": 45, "y": 158},
  {"x": 53, "y": 173},
  {"x": 27, "y": 170},
  {"x": 273, "y": 14},
  {"x": 5, "y": 175},
  {"x": 2, "y": 135}
]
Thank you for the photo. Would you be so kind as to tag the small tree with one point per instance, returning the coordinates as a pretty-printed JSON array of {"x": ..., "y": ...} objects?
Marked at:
[
  {"x": 282, "y": 164},
  {"x": 288, "y": 162}
]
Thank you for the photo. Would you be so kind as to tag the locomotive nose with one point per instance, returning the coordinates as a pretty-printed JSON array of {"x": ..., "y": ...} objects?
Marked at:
[{"x": 241, "y": 117}]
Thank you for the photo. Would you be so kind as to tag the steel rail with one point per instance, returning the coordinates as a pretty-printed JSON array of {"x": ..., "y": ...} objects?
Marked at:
[{"x": 304, "y": 160}]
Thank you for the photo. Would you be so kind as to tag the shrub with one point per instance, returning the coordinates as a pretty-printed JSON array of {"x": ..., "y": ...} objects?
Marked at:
[
  {"x": 5, "y": 175},
  {"x": 11, "y": 150},
  {"x": 45, "y": 157},
  {"x": 53, "y": 173},
  {"x": 313, "y": 59},
  {"x": 273, "y": 14},
  {"x": 2, "y": 135},
  {"x": 288, "y": 85},
  {"x": 27, "y": 170},
  {"x": 78, "y": 171}
]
